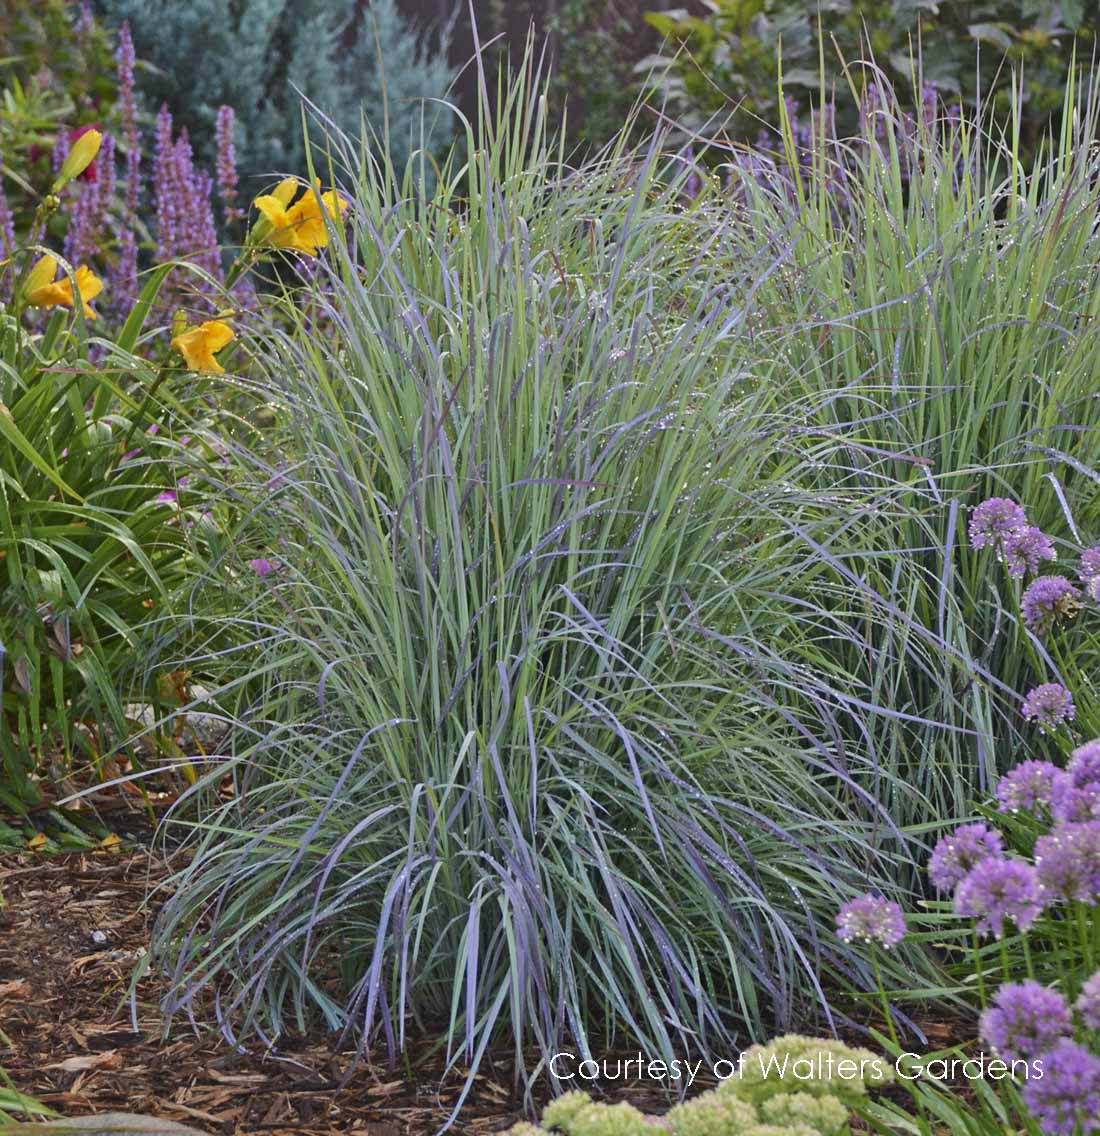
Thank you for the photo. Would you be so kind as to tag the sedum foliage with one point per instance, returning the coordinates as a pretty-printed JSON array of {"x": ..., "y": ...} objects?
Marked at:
[
  {"x": 257, "y": 55},
  {"x": 793, "y": 1086}
]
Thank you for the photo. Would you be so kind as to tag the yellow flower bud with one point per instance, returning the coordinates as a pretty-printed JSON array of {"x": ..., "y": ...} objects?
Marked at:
[{"x": 81, "y": 156}]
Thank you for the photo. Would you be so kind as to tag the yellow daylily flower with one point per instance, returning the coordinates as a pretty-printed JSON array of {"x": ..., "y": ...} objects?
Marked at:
[
  {"x": 301, "y": 225},
  {"x": 42, "y": 291},
  {"x": 80, "y": 157},
  {"x": 197, "y": 345}
]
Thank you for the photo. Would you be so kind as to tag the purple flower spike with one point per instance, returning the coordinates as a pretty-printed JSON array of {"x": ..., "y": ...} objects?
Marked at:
[
  {"x": 1088, "y": 1004},
  {"x": 996, "y": 891},
  {"x": 262, "y": 567},
  {"x": 1065, "y": 1100},
  {"x": 1022, "y": 551},
  {"x": 7, "y": 242},
  {"x": 994, "y": 520},
  {"x": 872, "y": 919},
  {"x": 184, "y": 212},
  {"x": 1049, "y": 600},
  {"x": 1027, "y": 788},
  {"x": 1025, "y": 1020},
  {"x": 1050, "y": 705},
  {"x": 226, "y": 167},
  {"x": 128, "y": 113},
  {"x": 956, "y": 854},
  {"x": 1068, "y": 862}
]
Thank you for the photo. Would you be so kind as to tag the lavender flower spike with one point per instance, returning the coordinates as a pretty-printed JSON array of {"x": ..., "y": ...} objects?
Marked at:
[
  {"x": 128, "y": 113},
  {"x": 1050, "y": 705},
  {"x": 226, "y": 167},
  {"x": 872, "y": 919}
]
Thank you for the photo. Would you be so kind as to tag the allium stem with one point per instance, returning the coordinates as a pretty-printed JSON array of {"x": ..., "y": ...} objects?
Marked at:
[
  {"x": 1021, "y": 626},
  {"x": 979, "y": 968},
  {"x": 1086, "y": 931},
  {"x": 886, "y": 1013},
  {"x": 1006, "y": 965}
]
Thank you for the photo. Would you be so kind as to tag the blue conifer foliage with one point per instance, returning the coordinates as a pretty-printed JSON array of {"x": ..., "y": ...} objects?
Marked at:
[{"x": 260, "y": 56}]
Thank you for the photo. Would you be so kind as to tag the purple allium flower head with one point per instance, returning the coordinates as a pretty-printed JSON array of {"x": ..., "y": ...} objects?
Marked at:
[
  {"x": 1027, "y": 788},
  {"x": 994, "y": 520},
  {"x": 1084, "y": 764},
  {"x": 1049, "y": 704},
  {"x": 1072, "y": 803},
  {"x": 1068, "y": 862},
  {"x": 872, "y": 919},
  {"x": 1090, "y": 571},
  {"x": 1025, "y": 1020},
  {"x": 1049, "y": 600},
  {"x": 1088, "y": 1003},
  {"x": 1022, "y": 551},
  {"x": 1076, "y": 794},
  {"x": 996, "y": 890},
  {"x": 262, "y": 567},
  {"x": 1090, "y": 563},
  {"x": 1065, "y": 1100},
  {"x": 957, "y": 853}
]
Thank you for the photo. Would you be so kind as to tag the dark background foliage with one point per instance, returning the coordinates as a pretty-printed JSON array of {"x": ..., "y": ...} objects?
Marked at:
[
  {"x": 724, "y": 62},
  {"x": 713, "y": 58}
]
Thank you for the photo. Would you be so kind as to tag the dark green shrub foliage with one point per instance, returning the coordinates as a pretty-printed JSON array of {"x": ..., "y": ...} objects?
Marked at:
[
  {"x": 252, "y": 55},
  {"x": 730, "y": 54}
]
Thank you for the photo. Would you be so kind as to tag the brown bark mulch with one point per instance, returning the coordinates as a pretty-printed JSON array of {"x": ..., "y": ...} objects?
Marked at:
[
  {"x": 74, "y": 926},
  {"x": 72, "y": 929}
]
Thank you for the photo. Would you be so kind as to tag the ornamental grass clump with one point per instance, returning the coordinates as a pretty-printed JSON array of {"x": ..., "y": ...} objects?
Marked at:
[
  {"x": 535, "y": 735},
  {"x": 936, "y": 306}
]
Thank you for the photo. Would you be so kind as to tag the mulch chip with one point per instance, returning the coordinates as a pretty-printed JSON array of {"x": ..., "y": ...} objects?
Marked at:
[{"x": 72, "y": 929}]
